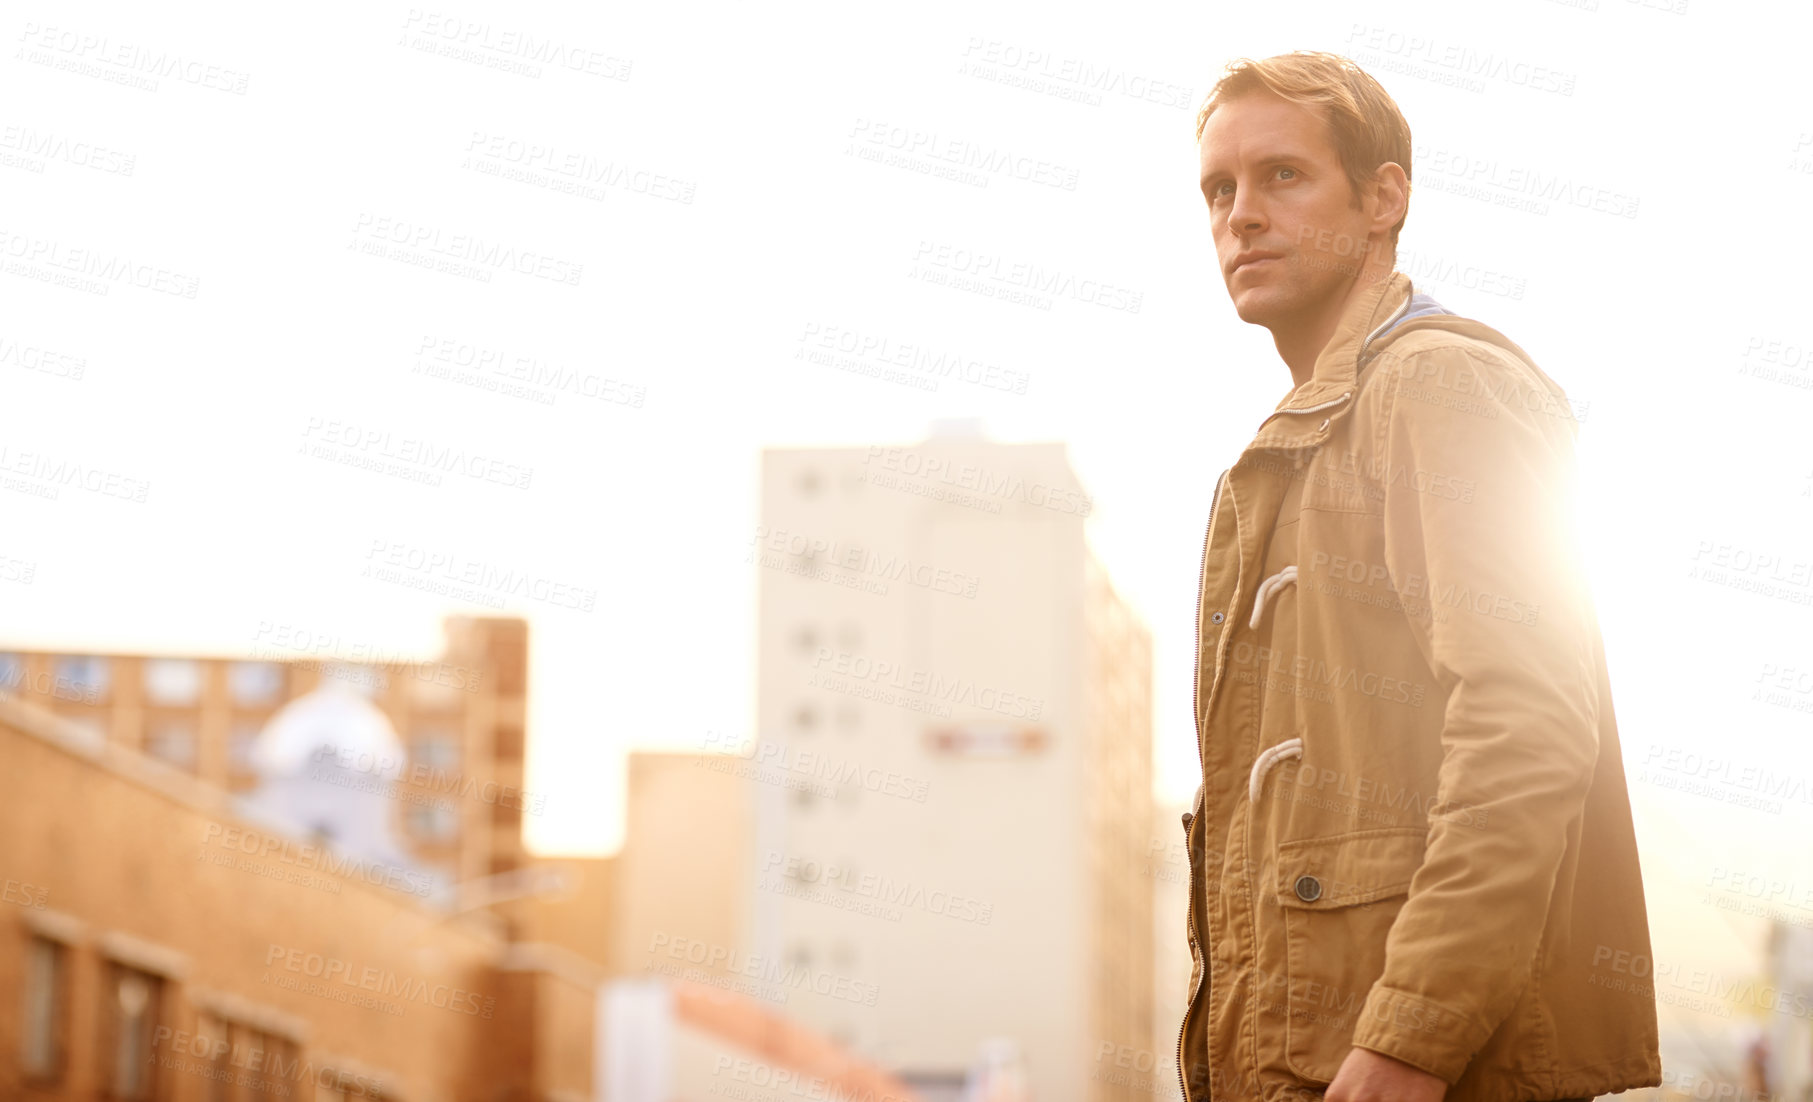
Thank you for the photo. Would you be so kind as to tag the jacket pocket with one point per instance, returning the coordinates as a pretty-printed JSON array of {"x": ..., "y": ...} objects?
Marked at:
[{"x": 1339, "y": 896}]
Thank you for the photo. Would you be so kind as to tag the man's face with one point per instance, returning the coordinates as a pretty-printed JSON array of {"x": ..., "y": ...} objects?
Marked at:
[{"x": 1289, "y": 235}]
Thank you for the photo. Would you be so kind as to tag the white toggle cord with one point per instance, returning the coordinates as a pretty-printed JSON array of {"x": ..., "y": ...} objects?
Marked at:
[
  {"x": 1269, "y": 586},
  {"x": 1289, "y": 748}
]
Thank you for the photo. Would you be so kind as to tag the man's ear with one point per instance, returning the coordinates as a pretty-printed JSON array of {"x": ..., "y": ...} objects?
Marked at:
[{"x": 1391, "y": 196}]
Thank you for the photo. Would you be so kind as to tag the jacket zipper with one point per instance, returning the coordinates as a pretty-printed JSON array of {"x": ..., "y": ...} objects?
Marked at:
[
  {"x": 1202, "y": 576},
  {"x": 1196, "y": 707}
]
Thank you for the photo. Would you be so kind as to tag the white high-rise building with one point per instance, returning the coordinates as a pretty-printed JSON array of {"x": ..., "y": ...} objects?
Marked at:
[{"x": 953, "y": 803}]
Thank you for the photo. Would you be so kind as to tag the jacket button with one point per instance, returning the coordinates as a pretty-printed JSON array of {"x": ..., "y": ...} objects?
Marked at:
[
  {"x": 1309, "y": 889},
  {"x": 1187, "y": 818},
  {"x": 1218, "y": 618}
]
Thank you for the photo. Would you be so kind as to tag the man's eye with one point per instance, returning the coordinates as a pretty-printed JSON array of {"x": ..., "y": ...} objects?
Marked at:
[
  {"x": 1287, "y": 174},
  {"x": 1222, "y": 190}
]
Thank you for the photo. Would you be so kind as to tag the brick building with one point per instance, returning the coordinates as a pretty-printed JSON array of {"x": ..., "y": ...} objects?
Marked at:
[
  {"x": 157, "y": 943},
  {"x": 460, "y": 795},
  {"x": 155, "y": 947}
]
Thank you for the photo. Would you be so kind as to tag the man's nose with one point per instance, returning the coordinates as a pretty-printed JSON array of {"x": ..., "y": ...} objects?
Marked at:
[{"x": 1247, "y": 215}]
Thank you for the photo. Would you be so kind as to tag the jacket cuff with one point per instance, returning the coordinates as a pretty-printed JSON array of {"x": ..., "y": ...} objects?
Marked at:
[{"x": 1423, "y": 1034}]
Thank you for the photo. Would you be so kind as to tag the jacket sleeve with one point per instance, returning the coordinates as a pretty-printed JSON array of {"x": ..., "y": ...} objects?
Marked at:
[{"x": 1477, "y": 455}]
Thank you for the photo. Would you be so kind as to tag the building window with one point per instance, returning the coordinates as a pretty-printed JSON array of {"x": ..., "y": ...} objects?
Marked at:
[
  {"x": 254, "y": 684},
  {"x": 433, "y": 822},
  {"x": 41, "y": 1050},
  {"x": 172, "y": 680},
  {"x": 508, "y": 745},
  {"x": 241, "y": 741},
  {"x": 172, "y": 741},
  {"x": 214, "y": 1046},
  {"x": 132, "y": 1004},
  {"x": 809, "y": 482},
  {"x": 805, "y": 717},
  {"x": 84, "y": 675},
  {"x": 269, "y": 1063},
  {"x": 436, "y": 749}
]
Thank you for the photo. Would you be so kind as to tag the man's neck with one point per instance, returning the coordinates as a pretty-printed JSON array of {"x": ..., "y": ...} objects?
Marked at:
[{"x": 1300, "y": 342}]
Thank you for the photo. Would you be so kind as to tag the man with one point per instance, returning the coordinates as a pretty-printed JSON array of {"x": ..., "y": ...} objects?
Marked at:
[{"x": 1418, "y": 874}]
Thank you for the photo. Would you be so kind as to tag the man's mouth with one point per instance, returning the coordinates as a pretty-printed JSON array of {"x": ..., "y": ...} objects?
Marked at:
[
  {"x": 1248, "y": 260},
  {"x": 1251, "y": 261}
]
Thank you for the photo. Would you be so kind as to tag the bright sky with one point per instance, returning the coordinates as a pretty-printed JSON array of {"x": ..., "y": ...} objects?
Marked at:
[{"x": 746, "y": 186}]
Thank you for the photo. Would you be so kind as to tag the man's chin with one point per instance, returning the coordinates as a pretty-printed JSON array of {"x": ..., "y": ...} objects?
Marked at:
[{"x": 1260, "y": 306}]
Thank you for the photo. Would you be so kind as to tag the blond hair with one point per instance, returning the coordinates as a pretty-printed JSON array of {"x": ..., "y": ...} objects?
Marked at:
[{"x": 1367, "y": 126}]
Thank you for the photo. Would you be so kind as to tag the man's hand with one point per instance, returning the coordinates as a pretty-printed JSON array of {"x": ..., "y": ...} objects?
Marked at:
[{"x": 1366, "y": 1076}]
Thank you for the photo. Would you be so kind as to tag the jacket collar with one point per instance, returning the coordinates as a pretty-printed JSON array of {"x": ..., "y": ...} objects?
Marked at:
[{"x": 1303, "y": 417}]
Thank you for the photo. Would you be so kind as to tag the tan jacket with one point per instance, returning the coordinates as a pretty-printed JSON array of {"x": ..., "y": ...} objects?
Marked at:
[{"x": 1413, "y": 827}]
